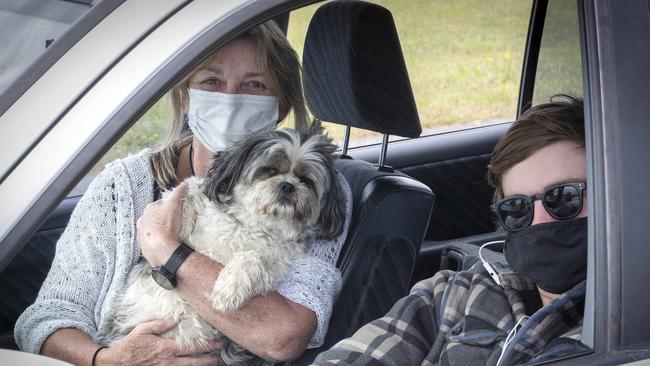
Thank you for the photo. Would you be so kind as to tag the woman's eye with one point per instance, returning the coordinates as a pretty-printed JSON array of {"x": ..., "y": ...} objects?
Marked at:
[
  {"x": 213, "y": 84},
  {"x": 210, "y": 81},
  {"x": 254, "y": 84}
]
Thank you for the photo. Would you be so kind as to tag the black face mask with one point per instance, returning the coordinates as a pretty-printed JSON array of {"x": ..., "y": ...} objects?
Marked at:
[{"x": 552, "y": 254}]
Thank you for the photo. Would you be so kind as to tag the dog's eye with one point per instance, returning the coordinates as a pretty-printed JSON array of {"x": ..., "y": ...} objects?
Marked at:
[
  {"x": 308, "y": 182},
  {"x": 265, "y": 173},
  {"x": 269, "y": 171}
]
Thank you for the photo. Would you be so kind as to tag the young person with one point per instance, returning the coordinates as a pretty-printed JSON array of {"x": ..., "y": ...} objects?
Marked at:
[{"x": 533, "y": 313}]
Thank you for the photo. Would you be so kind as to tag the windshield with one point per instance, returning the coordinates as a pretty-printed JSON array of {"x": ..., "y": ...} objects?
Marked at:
[{"x": 28, "y": 27}]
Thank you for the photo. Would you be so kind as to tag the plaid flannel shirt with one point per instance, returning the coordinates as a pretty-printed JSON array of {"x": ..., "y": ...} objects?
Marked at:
[{"x": 463, "y": 318}]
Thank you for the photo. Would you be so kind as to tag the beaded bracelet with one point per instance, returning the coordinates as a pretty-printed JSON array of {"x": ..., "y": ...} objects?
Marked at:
[{"x": 95, "y": 355}]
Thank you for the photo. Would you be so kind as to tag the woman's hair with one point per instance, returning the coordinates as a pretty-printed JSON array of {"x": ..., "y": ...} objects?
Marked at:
[
  {"x": 560, "y": 120},
  {"x": 279, "y": 61}
]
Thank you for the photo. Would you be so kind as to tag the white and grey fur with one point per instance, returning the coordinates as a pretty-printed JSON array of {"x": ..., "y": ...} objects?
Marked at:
[{"x": 253, "y": 211}]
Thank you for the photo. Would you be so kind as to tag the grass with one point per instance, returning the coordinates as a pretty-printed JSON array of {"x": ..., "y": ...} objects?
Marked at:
[
  {"x": 149, "y": 131},
  {"x": 464, "y": 60},
  {"x": 463, "y": 57},
  {"x": 559, "y": 65}
]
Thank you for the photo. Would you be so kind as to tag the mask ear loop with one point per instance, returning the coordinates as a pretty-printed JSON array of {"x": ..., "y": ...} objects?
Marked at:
[{"x": 491, "y": 271}]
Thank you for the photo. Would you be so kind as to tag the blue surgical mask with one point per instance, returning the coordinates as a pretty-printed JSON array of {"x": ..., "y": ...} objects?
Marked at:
[{"x": 220, "y": 120}]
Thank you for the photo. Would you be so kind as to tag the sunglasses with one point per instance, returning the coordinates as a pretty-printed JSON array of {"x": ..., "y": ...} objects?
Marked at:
[{"x": 562, "y": 202}]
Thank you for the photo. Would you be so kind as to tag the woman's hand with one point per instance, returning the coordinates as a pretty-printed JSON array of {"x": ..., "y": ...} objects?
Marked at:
[
  {"x": 145, "y": 346},
  {"x": 159, "y": 227}
]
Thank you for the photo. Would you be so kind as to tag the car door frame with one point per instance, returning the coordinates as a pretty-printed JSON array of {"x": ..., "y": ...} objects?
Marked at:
[{"x": 617, "y": 90}]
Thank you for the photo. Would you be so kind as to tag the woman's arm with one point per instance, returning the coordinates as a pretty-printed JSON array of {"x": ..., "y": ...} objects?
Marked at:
[
  {"x": 270, "y": 326},
  {"x": 62, "y": 320},
  {"x": 143, "y": 346},
  {"x": 75, "y": 282},
  {"x": 71, "y": 345}
]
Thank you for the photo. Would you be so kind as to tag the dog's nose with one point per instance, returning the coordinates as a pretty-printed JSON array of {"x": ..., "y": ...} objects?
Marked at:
[{"x": 287, "y": 187}]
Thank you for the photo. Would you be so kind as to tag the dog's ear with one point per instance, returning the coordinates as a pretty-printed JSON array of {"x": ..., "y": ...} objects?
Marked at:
[
  {"x": 315, "y": 128},
  {"x": 227, "y": 168},
  {"x": 333, "y": 208},
  {"x": 323, "y": 144}
]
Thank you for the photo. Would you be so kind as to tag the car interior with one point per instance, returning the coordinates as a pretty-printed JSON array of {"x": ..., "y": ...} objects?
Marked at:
[{"x": 419, "y": 204}]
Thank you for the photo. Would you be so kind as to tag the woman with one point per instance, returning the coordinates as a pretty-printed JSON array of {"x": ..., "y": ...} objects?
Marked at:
[{"x": 249, "y": 84}]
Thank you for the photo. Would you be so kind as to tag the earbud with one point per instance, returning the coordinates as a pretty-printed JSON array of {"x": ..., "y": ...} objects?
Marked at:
[{"x": 491, "y": 271}]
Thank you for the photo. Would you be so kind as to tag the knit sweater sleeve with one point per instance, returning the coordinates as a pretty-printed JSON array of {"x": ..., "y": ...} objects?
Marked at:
[
  {"x": 314, "y": 280},
  {"x": 81, "y": 269}
]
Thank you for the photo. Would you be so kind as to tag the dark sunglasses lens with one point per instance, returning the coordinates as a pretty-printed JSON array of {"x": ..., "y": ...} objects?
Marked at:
[
  {"x": 515, "y": 213},
  {"x": 563, "y": 202}
]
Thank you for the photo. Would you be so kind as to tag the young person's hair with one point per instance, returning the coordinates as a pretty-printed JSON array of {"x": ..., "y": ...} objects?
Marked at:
[
  {"x": 279, "y": 62},
  {"x": 562, "y": 119}
]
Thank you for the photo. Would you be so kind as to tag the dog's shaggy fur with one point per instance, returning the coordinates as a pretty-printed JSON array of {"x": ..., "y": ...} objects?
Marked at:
[{"x": 252, "y": 212}]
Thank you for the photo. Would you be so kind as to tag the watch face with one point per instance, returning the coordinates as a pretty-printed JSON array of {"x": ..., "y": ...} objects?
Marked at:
[{"x": 161, "y": 279}]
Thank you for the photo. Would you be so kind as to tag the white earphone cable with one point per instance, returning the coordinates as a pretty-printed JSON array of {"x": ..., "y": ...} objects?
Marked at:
[
  {"x": 493, "y": 273},
  {"x": 511, "y": 336}
]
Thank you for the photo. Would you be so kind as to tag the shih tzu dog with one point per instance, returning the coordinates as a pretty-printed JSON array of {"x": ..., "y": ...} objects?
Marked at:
[{"x": 252, "y": 212}]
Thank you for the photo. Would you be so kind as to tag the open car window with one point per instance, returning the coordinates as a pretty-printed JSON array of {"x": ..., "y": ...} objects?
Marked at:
[
  {"x": 482, "y": 56},
  {"x": 464, "y": 63},
  {"x": 447, "y": 56},
  {"x": 559, "y": 66}
]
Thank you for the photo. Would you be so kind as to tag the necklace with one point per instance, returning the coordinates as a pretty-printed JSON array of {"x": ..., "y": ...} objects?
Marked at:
[{"x": 191, "y": 159}]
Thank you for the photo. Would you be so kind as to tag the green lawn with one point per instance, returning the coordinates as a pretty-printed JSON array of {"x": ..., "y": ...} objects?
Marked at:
[{"x": 463, "y": 56}]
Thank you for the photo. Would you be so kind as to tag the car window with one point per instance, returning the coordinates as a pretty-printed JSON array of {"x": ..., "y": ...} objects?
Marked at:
[
  {"x": 28, "y": 27},
  {"x": 559, "y": 66},
  {"x": 148, "y": 132},
  {"x": 468, "y": 45}
]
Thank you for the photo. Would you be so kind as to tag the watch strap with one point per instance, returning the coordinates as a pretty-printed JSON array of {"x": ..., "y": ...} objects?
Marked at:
[{"x": 177, "y": 258}]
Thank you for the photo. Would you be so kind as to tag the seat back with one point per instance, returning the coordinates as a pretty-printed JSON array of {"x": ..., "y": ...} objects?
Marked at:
[
  {"x": 355, "y": 75},
  {"x": 389, "y": 220}
]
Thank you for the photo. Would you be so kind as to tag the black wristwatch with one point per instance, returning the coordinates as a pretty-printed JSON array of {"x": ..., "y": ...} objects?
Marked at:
[{"x": 165, "y": 275}]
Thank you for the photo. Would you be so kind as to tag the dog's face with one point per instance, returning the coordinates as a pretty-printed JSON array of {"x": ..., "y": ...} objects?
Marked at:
[{"x": 281, "y": 176}]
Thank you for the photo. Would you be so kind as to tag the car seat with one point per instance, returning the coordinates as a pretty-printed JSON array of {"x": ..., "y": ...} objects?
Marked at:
[{"x": 355, "y": 76}]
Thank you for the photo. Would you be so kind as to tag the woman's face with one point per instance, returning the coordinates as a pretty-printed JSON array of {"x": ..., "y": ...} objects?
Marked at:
[
  {"x": 560, "y": 162},
  {"x": 234, "y": 70}
]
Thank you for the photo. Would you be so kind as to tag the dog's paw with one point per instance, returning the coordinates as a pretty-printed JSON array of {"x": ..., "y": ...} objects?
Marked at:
[
  {"x": 225, "y": 299},
  {"x": 245, "y": 276}
]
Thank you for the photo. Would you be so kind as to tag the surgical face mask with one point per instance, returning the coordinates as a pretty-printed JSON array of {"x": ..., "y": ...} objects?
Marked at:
[
  {"x": 220, "y": 120},
  {"x": 552, "y": 254}
]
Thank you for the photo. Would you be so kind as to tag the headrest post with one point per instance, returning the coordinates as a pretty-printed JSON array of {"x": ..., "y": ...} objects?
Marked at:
[
  {"x": 384, "y": 148},
  {"x": 346, "y": 139}
]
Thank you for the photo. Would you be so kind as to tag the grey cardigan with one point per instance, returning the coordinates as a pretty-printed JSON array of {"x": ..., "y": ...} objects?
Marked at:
[{"x": 98, "y": 248}]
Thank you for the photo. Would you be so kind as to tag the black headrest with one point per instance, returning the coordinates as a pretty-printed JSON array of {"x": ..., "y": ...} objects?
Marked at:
[{"x": 355, "y": 72}]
